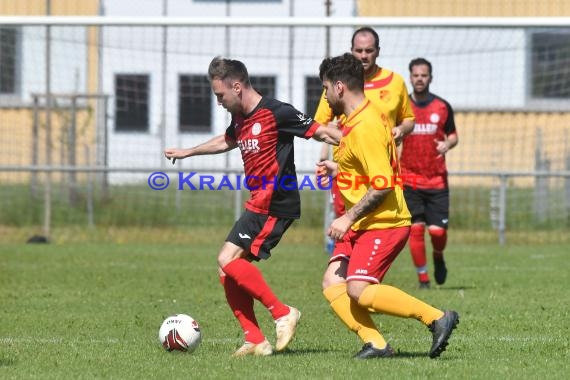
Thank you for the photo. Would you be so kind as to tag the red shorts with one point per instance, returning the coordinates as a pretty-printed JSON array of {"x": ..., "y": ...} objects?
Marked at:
[
  {"x": 370, "y": 253},
  {"x": 338, "y": 203}
]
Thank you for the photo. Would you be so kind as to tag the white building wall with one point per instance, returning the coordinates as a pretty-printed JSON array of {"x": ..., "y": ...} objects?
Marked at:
[
  {"x": 264, "y": 53},
  {"x": 68, "y": 61},
  {"x": 473, "y": 68}
]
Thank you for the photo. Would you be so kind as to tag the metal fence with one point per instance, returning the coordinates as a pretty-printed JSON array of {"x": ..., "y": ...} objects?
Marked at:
[
  {"x": 88, "y": 105},
  {"x": 528, "y": 214}
]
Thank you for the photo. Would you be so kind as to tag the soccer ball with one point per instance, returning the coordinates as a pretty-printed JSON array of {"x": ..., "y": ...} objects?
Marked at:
[{"x": 180, "y": 332}]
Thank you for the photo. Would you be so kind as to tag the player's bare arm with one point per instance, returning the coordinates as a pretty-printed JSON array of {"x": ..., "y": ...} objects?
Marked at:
[
  {"x": 400, "y": 131},
  {"x": 444, "y": 146},
  {"x": 367, "y": 204},
  {"x": 329, "y": 135},
  {"x": 217, "y": 144},
  {"x": 325, "y": 148}
]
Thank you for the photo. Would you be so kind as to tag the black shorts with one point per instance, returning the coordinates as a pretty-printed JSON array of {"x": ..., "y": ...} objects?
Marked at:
[
  {"x": 428, "y": 206},
  {"x": 257, "y": 234}
]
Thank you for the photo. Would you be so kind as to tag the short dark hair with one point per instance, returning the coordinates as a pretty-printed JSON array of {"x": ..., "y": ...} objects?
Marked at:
[
  {"x": 345, "y": 68},
  {"x": 228, "y": 70},
  {"x": 366, "y": 29},
  {"x": 420, "y": 61}
]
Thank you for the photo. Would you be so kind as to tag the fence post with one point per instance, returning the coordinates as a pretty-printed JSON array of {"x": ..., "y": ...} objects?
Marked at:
[
  {"x": 542, "y": 165},
  {"x": 48, "y": 140},
  {"x": 90, "y": 202},
  {"x": 35, "y": 149},
  {"x": 567, "y": 179},
  {"x": 502, "y": 208},
  {"x": 71, "y": 150}
]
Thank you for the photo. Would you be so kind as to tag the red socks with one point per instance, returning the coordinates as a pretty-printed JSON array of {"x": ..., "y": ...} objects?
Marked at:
[
  {"x": 250, "y": 280},
  {"x": 241, "y": 304},
  {"x": 417, "y": 245}
]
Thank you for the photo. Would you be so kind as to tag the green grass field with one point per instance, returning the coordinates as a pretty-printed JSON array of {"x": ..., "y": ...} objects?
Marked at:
[{"x": 92, "y": 310}]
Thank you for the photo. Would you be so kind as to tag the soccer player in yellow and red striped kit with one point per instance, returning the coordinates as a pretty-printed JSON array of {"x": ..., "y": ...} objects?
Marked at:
[
  {"x": 383, "y": 87},
  {"x": 376, "y": 225}
]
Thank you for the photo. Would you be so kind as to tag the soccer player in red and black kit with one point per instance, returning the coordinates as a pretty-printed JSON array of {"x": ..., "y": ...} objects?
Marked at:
[
  {"x": 425, "y": 173},
  {"x": 263, "y": 129}
]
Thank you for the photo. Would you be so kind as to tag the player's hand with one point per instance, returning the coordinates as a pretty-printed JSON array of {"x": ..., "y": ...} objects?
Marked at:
[
  {"x": 441, "y": 146},
  {"x": 174, "y": 154},
  {"x": 398, "y": 135},
  {"x": 333, "y": 124},
  {"x": 339, "y": 227},
  {"x": 325, "y": 171}
]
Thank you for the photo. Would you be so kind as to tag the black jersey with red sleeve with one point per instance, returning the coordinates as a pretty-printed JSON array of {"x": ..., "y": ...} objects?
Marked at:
[
  {"x": 421, "y": 164},
  {"x": 265, "y": 139}
]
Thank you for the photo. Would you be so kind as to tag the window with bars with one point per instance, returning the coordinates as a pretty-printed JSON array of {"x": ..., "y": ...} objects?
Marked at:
[
  {"x": 265, "y": 85},
  {"x": 132, "y": 102},
  {"x": 8, "y": 61},
  {"x": 550, "y": 65},
  {"x": 194, "y": 104},
  {"x": 313, "y": 92}
]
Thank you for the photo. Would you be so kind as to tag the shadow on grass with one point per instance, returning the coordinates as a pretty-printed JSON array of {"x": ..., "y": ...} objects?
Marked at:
[
  {"x": 440, "y": 287},
  {"x": 399, "y": 354},
  {"x": 302, "y": 352},
  {"x": 409, "y": 355}
]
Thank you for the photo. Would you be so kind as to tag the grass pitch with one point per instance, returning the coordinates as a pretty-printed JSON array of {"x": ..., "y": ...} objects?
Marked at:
[{"x": 92, "y": 310}]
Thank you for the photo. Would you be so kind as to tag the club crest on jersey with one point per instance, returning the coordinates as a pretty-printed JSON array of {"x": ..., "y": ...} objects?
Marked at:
[
  {"x": 256, "y": 129},
  {"x": 249, "y": 145},
  {"x": 385, "y": 95},
  {"x": 434, "y": 118}
]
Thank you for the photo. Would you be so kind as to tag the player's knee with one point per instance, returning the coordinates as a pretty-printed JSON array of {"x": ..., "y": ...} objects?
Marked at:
[
  {"x": 229, "y": 253},
  {"x": 437, "y": 231},
  {"x": 330, "y": 280},
  {"x": 354, "y": 289},
  {"x": 224, "y": 258},
  {"x": 417, "y": 230},
  {"x": 335, "y": 274}
]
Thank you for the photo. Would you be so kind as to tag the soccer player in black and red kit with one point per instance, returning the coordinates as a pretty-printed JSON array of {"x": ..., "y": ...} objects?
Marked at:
[
  {"x": 263, "y": 129},
  {"x": 425, "y": 173}
]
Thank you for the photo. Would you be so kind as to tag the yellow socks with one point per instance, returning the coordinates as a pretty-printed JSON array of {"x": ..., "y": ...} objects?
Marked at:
[
  {"x": 355, "y": 317},
  {"x": 389, "y": 300}
]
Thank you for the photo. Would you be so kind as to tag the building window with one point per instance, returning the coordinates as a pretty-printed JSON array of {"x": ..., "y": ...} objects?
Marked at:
[
  {"x": 8, "y": 61},
  {"x": 265, "y": 85},
  {"x": 131, "y": 102},
  {"x": 550, "y": 51},
  {"x": 313, "y": 92},
  {"x": 194, "y": 104}
]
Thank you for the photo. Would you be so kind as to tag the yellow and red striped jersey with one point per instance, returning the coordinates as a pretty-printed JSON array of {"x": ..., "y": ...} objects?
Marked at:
[
  {"x": 386, "y": 89},
  {"x": 367, "y": 157}
]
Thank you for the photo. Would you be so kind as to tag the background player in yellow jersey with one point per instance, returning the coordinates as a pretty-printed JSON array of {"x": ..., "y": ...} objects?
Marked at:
[
  {"x": 385, "y": 88},
  {"x": 376, "y": 225}
]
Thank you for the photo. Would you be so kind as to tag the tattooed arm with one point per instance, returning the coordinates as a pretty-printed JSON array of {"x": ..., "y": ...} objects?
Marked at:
[{"x": 367, "y": 204}]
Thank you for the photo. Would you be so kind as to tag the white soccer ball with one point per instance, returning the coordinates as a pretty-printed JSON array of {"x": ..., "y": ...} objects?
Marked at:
[{"x": 180, "y": 332}]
